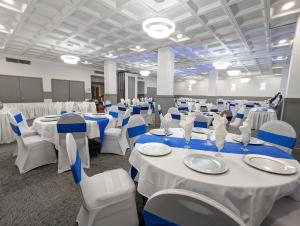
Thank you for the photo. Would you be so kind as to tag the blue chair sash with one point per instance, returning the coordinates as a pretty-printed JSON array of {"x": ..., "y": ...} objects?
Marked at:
[
  {"x": 125, "y": 121},
  {"x": 249, "y": 106},
  {"x": 232, "y": 105},
  {"x": 63, "y": 112},
  {"x": 16, "y": 129},
  {"x": 18, "y": 118},
  {"x": 288, "y": 142},
  {"x": 102, "y": 123},
  {"x": 113, "y": 114},
  {"x": 108, "y": 105},
  {"x": 154, "y": 220},
  {"x": 133, "y": 172},
  {"x": 183, "y": 109},
  {"x": 160, "y": 112},
  {"x": 76, "y": 168},
  {"x": 137, "y": 130},
  {"x": 240, "y": 115},
  {"x": 200, "y": 124},
  {"x": 214, "y": 110},
  {"x": 136, "y": 110},
  {"x": 151, "y": 105},
  {"x": 71, "y": 128},
  {"x": 220, "y": 102},
  {"x": 176, "y": 117},
  {"x": 144, "y": 108},
  {"x": 121, "y": 108}
]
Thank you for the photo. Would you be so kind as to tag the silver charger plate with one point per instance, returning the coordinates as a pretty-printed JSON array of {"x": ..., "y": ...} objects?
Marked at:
[
  {"x": 159, "y": 132},
  {"x": 205, "y": 164},
  {"x": 154, "y": 149},
  {"x": 269, "y": 164},
  {"x": 201, "y": 130},
  {"x": 52, "y": 116},
  {"x": 253, "y": 140}
]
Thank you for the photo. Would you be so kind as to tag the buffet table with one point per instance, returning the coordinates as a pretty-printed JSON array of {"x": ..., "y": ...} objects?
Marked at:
[
  {"x": 35, "y": 110},
  {"x": 247, "y": 191}
]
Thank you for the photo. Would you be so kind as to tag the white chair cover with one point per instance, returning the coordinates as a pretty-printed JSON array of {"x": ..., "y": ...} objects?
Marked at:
[
  {"x": 146, "y": 113},
  {"x": 186, "y": 208},
  {"x": 136, "y": 127},
  {"x": 63, "y": 108},
  {"x": 32, "y": 150},
  {"x": 279, "y": 133},
  {"x": 121, "y": 112},
  {"x": 108, "y": 198},
  {"x": 22, "y": 123},
  {"x": 75, "y": 124},
  {"x": 285, "y": 212},
  {"x": 202, "y": 121},
  {"x": 114, "y": 112},
  {"x": 176, "y": 117},
  {"x": 220, "y": 104},
  {"x": 238, "y": 118},
  {"x": 107, "y": 105},
  {"x": 115, "y": 140}
]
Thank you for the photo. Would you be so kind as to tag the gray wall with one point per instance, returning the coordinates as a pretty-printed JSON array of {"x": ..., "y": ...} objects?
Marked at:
[{"x": 131, "y": 87}]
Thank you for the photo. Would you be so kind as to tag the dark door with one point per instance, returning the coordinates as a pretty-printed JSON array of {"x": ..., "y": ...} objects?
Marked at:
[
  {"x": 10, "y": 89},
  {"x": 31, "y": 89},
  {"x": 60, "y": 90},
  {"x": 77, "y": 91}
]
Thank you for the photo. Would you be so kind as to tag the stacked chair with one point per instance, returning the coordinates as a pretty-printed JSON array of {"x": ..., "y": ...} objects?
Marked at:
[
  {"x": 107, "y": 198},
  {"x": 76, "y": 125},
  {"x": 115, "y": 140},
  {"x": 32, "y": 150}
]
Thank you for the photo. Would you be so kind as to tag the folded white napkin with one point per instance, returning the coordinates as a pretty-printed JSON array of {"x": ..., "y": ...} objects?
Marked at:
[
  {"x": 166, "y": 121},
  {"x": 219, "y": 125},
  {"x": 245, "y": 131},
  {"x": 187, "y": 125}
]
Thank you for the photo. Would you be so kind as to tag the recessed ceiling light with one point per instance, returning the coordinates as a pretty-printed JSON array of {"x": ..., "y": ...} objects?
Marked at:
[
  {"x": 145, "y": 73},
  {"x": 282, "y": 41},
  {"x": 11, "y": 2},
  {"x": 158, "y": 27},
  {"x": 245, "y": 80},
  {"x": 86, "y": 62},
  {"x": 179, "y": 36},
  {"x": 70, "y": 59},
  {"x": 2, "y": 27},
  {"x": 233, "y": 72},
  {"x": 221, "y": 65},
  {"x": 138, "y": 47},
  {"x": 288, "y": 5},
  {"x": 110, "y": 55},
  {"x": 192, "y": 82}
]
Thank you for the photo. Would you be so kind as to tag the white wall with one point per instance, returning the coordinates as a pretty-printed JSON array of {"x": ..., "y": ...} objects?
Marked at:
[
  {"x": 150, "y": 82},
  {"x": 47, "y": 71},
  {"x": 252, "y": 88}
]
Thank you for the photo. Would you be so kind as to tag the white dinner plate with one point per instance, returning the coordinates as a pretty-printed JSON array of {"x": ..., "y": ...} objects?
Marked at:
[
  {"x": 201, "y": 130},
  {"x": 253, "y": 140},
  {"x": 269, "y": 164},
  {"x": 205, "y": 164},
  {"x": 52, "y": 116},
  {"x": 154, "y": 149},
  {"x": 159, "y": 132}
]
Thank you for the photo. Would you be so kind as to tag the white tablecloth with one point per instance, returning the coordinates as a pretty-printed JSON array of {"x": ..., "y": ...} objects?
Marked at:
[
  {"x": 48, "y": 130},
  {"x": 259, "y": 117},
  {"x": 34, "y": 110},
  {"x": 248, "y": 192}
]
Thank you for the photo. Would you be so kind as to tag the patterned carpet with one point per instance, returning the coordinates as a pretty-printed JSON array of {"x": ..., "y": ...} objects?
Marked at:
[{"x": 43, "y": 197}]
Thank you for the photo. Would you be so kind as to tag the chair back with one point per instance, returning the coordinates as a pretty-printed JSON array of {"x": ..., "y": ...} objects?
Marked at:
[
  {"x": 175, "y": 114},
  {"x": 201, "y": 121},
  {"x": 240, "y": 115},
  {"x": 114, "y": 112},
  {"x": 145, "y": 109},
  {"x": 279, "y": 133},
  {"x": 159, "y": 109},
  {"x": 181, "y": 207},
  {"x": 63, "y": 108},
  {"x": 183, "y": 107},
  {"x": 121, "y": 111},
  {"x": 136, "y": 128},
  {"x": 107, "y": 105},
  {"x": 75, "y": 124},
  {"x": 14, "y": 125},
  {"x": 136, "y": 110},
  {"x": 214, "y": 109}
]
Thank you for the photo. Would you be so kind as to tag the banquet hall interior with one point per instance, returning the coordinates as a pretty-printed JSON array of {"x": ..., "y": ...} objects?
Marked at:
[{"x": 149, "y": 112}]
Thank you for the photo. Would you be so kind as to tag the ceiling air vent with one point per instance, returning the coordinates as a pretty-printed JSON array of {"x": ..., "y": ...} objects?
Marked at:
[{"x": 18, "y": 61}]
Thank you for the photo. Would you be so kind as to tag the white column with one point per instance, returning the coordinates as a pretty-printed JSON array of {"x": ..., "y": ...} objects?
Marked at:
[
  {"x": 110, "y": 77},
  {"x": 292, "y": 88},
  {"x": 165, "y": 71},
  {"x": 212, "y": 83},
  {"x": 284, "y": 79}
]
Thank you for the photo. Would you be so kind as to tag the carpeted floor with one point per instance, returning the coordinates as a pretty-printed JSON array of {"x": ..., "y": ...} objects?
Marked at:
[{"x": 43, "y": 197}]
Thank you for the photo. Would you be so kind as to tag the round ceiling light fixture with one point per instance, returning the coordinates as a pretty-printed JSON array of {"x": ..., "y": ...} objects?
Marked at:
[
  {"x": 288, "y": 5},
  {"x": 70, "y": 59},
  {"x": 158, "y": 27},
  {"x": 221, "y": 65},
  {"x": 145, "y": 73},
  {"x": 282, "y": 41},
  {"x": 192, "y": 82}
]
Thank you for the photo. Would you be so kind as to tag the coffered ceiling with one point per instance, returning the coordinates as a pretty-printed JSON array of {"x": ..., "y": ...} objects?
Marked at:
[{"x": 244, "y": 32}]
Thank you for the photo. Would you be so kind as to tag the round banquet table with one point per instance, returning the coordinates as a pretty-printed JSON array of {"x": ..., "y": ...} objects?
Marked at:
[
  {"x": 259, "y": 116},
  {"x": 48, "y": 130},
  {"x": 247, "y": 191}
]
